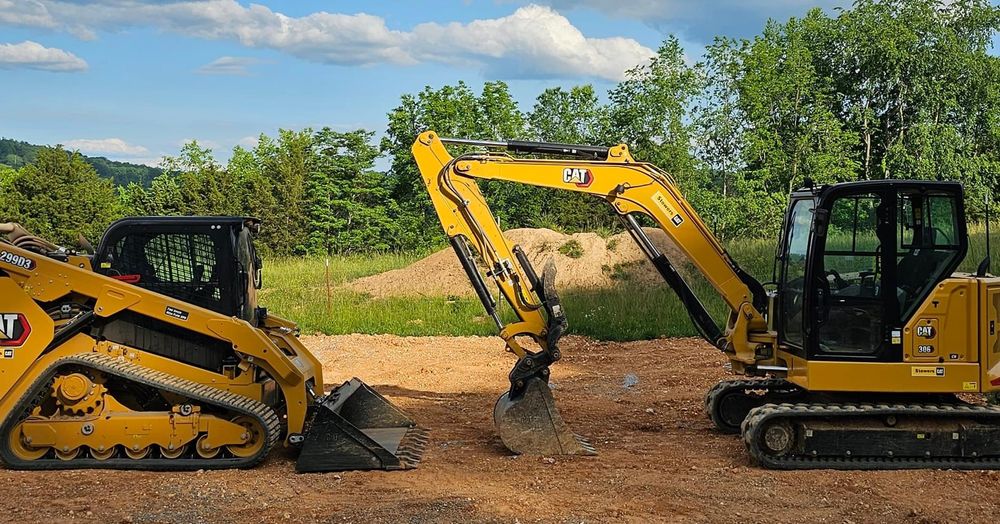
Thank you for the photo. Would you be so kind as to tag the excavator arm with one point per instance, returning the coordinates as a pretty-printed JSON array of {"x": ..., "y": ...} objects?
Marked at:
[{"x": 631, "y": 188}]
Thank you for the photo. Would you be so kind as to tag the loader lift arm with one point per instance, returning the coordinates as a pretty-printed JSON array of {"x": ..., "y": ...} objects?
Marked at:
[{"x": 630, "y": 187}]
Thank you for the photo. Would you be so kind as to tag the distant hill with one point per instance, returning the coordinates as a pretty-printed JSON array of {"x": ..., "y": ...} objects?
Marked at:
[{"x": 16, "y": 153}]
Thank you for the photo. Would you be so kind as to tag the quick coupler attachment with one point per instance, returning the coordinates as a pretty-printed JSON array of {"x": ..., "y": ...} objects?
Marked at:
[{"x": 355, "y": 428}]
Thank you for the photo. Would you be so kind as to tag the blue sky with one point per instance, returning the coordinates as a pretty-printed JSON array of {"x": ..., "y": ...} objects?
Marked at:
[{"x": 133, "y": 79}]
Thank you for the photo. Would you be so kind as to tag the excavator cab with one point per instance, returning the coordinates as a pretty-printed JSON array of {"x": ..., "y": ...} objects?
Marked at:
[{"x": 857, "y": 259}]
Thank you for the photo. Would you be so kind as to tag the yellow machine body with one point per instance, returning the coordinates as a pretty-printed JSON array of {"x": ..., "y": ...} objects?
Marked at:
[
  {"x": 871, "y": 387},
  {"x": 75, "y": 395}
]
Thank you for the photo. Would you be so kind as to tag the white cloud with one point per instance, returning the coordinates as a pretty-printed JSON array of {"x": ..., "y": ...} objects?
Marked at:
[
  {"x": 229, "y": 65},
  {"x": 249, "y": 141},
  {"x": 106, "y": 146},
  {"x": 32, "y": 55},
  {"x": 210, "y": 144},
  {"x": 702, "y": 20},
  {"x": 534, "y": 41},
  {"x": 29, "y": 13}
]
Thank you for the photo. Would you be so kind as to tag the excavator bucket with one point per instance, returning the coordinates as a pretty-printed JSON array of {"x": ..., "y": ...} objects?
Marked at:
[
  {"x": 356, "y": 428},
  {"x": 531, "y": 424}
]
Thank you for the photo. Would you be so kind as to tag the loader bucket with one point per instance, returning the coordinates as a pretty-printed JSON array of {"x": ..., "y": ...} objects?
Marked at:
[
  {"x": 531, "y": 424},
  {"x": 356, "y": 428}
]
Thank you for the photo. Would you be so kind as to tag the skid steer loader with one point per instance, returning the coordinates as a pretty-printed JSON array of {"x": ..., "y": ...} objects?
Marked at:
[
  {"x": 152, "y": 353},
  {"x": 853, "y": 358}
]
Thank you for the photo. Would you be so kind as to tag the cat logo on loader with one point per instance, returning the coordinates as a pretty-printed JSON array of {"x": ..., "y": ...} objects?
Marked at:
[{"x": 14, "y": 329}]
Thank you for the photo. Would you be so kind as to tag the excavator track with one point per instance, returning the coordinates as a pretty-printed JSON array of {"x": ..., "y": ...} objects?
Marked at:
[
  {"x": 729, "y": 401},
  {"x": 197, "y": 393},
  {"x": 874, "y": 436}
]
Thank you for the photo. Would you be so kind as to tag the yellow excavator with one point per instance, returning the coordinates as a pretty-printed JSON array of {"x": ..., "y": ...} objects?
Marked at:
[
  {"x": 851, "y": 360},
  {"x": 151, "y": 352}
]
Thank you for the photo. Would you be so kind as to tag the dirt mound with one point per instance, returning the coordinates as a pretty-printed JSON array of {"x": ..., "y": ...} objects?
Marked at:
[{"x": 583, "y": 260}]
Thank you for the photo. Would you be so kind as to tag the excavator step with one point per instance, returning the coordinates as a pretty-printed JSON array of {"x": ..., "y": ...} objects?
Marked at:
[{"x": 356, "y": 428}]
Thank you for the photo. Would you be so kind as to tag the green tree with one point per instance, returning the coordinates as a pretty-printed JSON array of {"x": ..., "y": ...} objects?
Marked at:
[
  {"x": 59, "y": 196},
  {"x": 349, "y": 204},
  {"x": 574, "y": 116},
  {"x": 650, "y": 111},
  {"x": 454, "y": 111},
  {"x": 285, "y": 163},
  {"x": 8, "y": 200},
  {"x": 162, "y": 198}
]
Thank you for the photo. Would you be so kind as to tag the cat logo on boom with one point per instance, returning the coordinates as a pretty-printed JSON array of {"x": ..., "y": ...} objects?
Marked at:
[
  {"x": 579, "y": 176},
  {"x": 14, "y": 330}
]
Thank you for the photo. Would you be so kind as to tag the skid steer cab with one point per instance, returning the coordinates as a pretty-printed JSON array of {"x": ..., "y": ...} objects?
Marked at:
[{"x": 153, "y": 353}]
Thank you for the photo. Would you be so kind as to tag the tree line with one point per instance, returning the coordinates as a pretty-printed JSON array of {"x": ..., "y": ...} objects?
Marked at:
[
  {"x": 17, "y": 153},
  {"x": 886, "y": 89}
]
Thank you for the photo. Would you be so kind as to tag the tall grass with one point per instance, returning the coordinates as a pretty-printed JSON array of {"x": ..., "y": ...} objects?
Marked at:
[{"x": 295, "y": 288}]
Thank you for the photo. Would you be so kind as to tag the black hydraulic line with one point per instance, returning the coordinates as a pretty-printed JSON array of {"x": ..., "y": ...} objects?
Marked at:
[
  {"x": 702, "y": 320},
  {"x": 547, "y": 148},
  {"x": 529, "y": 270},
  {"x": 458, "y": 243},
  {"x": 71, "y": 329}
]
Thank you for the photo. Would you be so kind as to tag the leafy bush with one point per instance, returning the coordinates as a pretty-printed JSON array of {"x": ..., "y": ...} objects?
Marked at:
[{"x": 572, "y": 249}]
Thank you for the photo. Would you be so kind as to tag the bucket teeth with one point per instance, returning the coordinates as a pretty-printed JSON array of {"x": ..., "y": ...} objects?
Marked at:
[{"x": 411, "y": 448}]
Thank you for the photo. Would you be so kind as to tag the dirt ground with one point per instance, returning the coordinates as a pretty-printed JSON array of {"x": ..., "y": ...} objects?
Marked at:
[{"x": 659, "y": 458}]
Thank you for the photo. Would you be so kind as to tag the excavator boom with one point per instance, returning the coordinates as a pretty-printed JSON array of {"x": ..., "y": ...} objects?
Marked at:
[{"x": 631, "y": 188}]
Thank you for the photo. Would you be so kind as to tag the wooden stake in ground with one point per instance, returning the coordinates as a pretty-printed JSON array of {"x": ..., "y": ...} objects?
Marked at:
[{"x": 329, "y": 292}]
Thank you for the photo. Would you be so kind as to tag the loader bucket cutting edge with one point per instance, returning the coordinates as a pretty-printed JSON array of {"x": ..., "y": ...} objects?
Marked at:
[
  {"x": 355, "y": 428},
  {"x": 531, "y": 424}
]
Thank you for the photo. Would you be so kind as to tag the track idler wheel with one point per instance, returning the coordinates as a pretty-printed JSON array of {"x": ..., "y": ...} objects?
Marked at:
[
  {"x": 254, "y": 438},
  {"x": 204, "y": 451},
  {"x": 135, "y": 453},
  {"x": 531, "y": 423},
  {"x": 67, "y": 454},
  {"x": 778, "y": 438},
  {"x": 23, "y": 449}
]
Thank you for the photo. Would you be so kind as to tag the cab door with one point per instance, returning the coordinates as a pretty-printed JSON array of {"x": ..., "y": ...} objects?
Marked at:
[{"x": 852, "y": 276}]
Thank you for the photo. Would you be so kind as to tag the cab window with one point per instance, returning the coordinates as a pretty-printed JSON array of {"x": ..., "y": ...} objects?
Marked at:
[
  {"x": 928, "y": 245},
  {"x": 793, "y": 274}
]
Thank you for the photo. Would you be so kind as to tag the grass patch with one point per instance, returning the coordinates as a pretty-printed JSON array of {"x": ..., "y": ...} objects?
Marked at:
[{"x": 572, "y": 249}]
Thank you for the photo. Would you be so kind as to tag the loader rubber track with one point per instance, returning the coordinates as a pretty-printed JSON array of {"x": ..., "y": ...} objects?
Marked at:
[
  {"x": 973, "y": 443},
  {"x": 199, "y": 393}
]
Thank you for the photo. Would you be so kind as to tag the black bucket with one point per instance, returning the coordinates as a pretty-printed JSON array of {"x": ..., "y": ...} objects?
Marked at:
[{"x": 355, "y": 428}]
